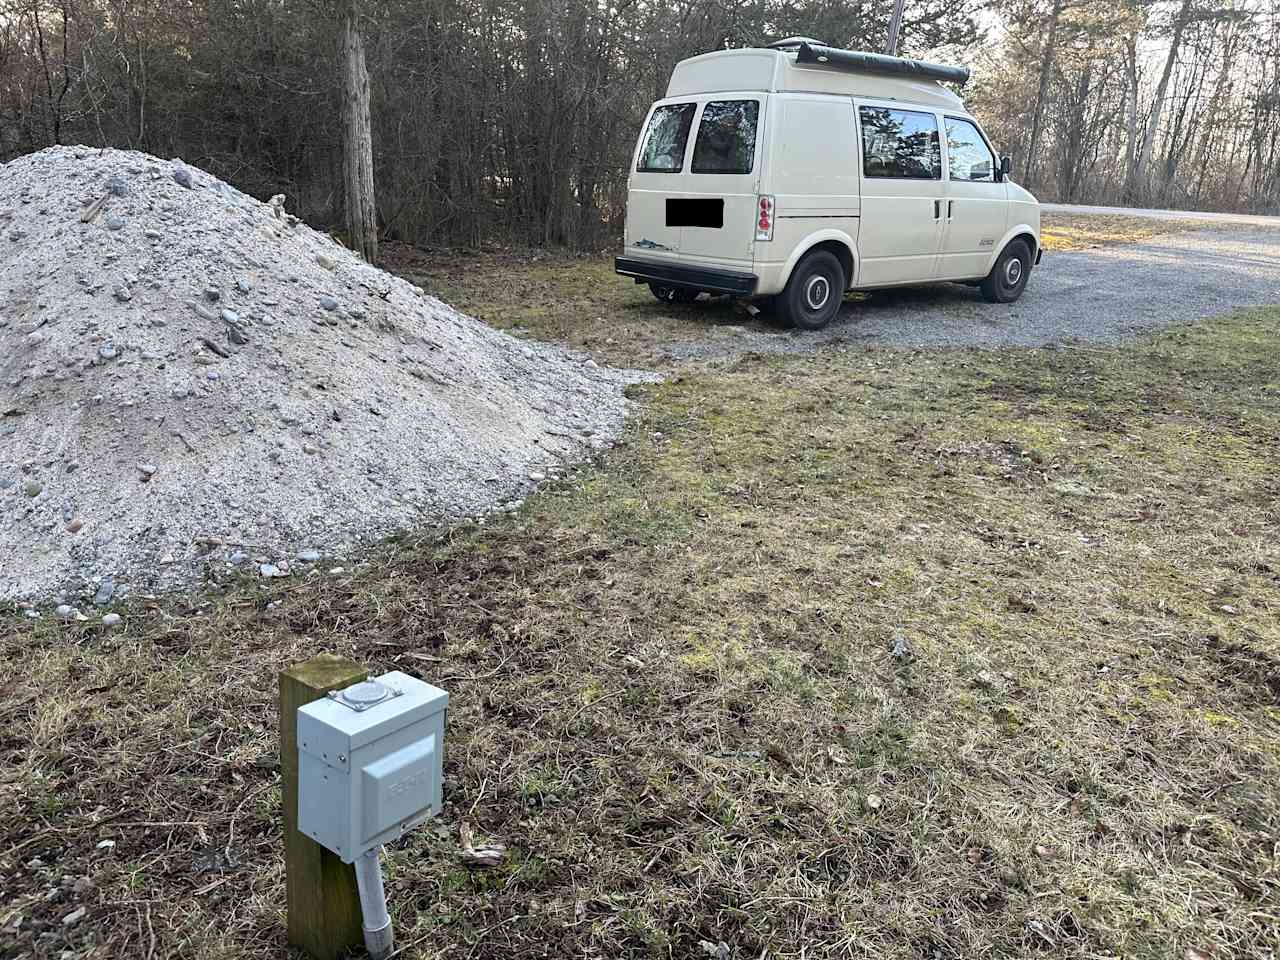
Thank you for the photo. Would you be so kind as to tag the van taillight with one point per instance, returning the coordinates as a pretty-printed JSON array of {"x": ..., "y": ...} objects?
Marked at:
[{"x": 764, "y": 224}]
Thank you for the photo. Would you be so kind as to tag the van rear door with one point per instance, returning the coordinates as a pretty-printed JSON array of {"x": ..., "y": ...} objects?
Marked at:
[
  {"x": 657, "y": 174},
  {"x": 717, "y": 210},
  {"x": 693, "y": 187}
]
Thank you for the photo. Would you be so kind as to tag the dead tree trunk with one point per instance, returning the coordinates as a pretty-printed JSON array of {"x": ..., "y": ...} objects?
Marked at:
[
  {"x": 1037, "y": 114},
  {"x": 1131, "y": 114},
  {"x": 1139, "y": 185},
  {"x": 357, "y": 141}
]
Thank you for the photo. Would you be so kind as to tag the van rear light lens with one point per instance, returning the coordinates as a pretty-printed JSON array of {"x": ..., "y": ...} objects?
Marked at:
[{"x": 764, "y": 220}]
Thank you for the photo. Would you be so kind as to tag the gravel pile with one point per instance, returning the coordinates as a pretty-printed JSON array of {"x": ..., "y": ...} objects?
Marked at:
[{"x": 191, "y": 381}]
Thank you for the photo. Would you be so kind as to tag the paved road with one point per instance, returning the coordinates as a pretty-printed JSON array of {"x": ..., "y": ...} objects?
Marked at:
[
  {"x": 1106, "y": 295},
  {"x": 1245, "y": 218}
]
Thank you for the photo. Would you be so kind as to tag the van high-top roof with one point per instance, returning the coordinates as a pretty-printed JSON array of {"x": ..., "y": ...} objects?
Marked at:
[{"x": 808, "y": 67}]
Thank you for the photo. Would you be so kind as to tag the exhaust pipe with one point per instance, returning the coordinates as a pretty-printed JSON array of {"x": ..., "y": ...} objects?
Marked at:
[{"x": 378, "y": 938}]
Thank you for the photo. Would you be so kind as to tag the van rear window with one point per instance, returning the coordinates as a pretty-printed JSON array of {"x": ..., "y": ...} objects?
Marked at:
[
  {"x": 727, "y": 137},
  {"x": 664, "y": 141}
]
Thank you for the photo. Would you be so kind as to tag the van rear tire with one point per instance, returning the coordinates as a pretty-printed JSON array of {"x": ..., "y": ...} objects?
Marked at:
[
  {"x": 1008, "y": 278},
  {"x": 668, "y": 294},
  {"x": 814, "y": 292}
]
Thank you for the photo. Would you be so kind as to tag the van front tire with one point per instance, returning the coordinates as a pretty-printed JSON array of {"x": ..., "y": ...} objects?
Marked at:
[
  {"x": 814, "y": 293},
  {"x": 1008, "y": 278}
]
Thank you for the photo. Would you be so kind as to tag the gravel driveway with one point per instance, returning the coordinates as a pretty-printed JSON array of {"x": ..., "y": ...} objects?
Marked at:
[
  {"x": 1254, "y": 219},
  {"x": 1096, "y": 296}
]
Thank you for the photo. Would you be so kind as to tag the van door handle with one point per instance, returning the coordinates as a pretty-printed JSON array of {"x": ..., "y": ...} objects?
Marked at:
[
  {"x": 937, "y": 209},
  {"x": 950, "y": 208}
]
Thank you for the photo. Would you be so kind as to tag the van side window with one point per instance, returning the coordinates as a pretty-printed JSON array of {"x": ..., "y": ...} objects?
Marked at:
[
  {"x": 726, "y": 137},
  {"x": 900, "y": 143},
  {"x": 968, "y": 156},
  {"x": 663, "y": 150}
]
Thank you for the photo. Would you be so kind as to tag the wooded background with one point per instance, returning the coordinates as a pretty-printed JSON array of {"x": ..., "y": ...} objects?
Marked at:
[{"x": 514, "y": 120}]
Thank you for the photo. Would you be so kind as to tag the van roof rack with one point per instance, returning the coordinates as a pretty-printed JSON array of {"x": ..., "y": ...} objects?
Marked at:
[
  {"x": 792, "y": 43},
  {"x": 855, "y": 61}
]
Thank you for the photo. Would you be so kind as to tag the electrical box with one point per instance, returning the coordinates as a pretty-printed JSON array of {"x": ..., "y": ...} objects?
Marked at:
[{"x": 369, "y": 762}]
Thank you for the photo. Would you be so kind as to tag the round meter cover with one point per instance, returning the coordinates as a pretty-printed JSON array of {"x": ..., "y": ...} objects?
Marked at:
[{"x": 363, "y": 695}]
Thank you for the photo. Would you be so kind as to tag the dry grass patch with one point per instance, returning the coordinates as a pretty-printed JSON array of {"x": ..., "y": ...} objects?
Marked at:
[
  {"x": 1075, "y": 231},
  {"x": 870, "y": 654}
]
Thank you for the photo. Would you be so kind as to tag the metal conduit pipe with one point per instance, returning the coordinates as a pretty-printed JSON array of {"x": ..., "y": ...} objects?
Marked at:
[{"x": 378, "y": 938}]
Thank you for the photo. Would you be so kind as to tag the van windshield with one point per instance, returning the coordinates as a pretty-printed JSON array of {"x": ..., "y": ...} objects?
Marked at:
[
  {"x": 664, "y": 141},
  {"x": 726, "y": 137}
]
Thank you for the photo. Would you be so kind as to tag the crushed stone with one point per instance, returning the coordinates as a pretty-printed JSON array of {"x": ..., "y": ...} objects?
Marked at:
[{"x": 190, "y": 377}]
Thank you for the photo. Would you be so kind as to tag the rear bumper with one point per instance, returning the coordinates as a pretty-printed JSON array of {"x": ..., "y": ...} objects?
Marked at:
[{"x": 694, "y": 278}]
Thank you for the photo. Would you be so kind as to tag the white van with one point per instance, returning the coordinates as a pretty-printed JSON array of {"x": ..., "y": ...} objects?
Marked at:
[{"x": 800, "y": 171}]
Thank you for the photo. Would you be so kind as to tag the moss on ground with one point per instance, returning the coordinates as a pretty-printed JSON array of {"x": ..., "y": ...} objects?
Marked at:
[{"x": 865, "y": 653}]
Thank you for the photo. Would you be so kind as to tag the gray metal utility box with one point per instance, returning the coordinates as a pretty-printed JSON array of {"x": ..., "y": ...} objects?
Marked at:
[{"x": 369, "y": 762}]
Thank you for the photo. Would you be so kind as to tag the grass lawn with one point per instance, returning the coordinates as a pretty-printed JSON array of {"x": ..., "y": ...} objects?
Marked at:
[
  {"x": 1064, "y": 231},
  {"x": 861, "y": 654}
]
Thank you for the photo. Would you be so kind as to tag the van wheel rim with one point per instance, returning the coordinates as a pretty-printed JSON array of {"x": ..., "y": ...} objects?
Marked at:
[
  {"x": 1013, "y": 271},
  {"x": 817, "y": 292}
]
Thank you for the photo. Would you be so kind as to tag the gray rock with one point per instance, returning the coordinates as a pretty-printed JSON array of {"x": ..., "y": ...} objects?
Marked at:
[
  {"x": 32, "y": 488},
  {"x": 309, "y": 556},
  {"x": 230, "y": 316},
  {"x": 152, "y": 234},
  {"x": 204, "y": 312},
  {"x": 213, "y": 375},
  {"x": 212, "y": 294},
  {"x": 107, "y": 351},
  {"x": 112, "y": 620},
  {"x": 237, "y": 558},
  {"x": 180, "y": 393},
  {"x": 328, "y": 303},
  {"x": 123, "y": 294},
  {"x": 182, "y": 176},
  {"x": 65, "y": 611},
  {"x": 115, "y": 221},
  {"x": 75, "y": 916},
  {"x": 148, "y": 470},
  {"x": 269, "y": 570},
  {"x": 117, "y": 187},
  {"x": 106, "y": 590},
  {"x": 244, "y": 286}
]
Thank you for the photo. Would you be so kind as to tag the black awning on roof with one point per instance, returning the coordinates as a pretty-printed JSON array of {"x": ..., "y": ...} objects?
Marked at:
[{"x": 853, "y": 60}]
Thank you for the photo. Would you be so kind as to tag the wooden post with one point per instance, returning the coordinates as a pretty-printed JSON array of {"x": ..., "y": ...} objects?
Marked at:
[{"x": 323, "y": 902}]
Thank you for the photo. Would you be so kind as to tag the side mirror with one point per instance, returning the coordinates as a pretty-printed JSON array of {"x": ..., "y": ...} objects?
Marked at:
[{"x": 1006, "y": 166}]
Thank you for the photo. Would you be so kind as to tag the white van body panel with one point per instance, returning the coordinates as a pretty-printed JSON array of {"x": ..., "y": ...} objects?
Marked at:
[
  {"x": 776, "y": 71},
  {"x": 773, "y": 274},
  {"x": 808, "y": 160}
]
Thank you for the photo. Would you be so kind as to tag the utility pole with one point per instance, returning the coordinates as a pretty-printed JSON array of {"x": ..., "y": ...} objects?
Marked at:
[{"x": 891, "y": 47}]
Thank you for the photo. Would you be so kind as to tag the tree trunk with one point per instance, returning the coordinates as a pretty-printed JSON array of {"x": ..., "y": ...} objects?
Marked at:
[
  {"x": 1131, "y": 114},
  {"x": 1153, "y": 121},
  {"x": 357, "y": 141},
  {"x": 1046, "y": 68}
]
